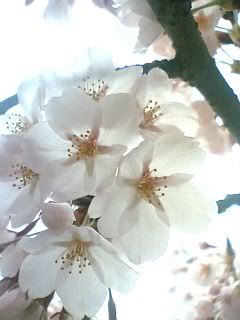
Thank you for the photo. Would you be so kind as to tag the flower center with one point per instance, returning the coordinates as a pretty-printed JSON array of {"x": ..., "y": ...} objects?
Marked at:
[
  {"x": 83, "y": 146},
  {"x": 22, "y": 176},
  {"x": 151, "y": 188},
  {"x": 95, "y": 90},
  {"x": 151, "y": 113},
  {"x": 78, "y": 254},
  {"x": 17, "y": 123}
]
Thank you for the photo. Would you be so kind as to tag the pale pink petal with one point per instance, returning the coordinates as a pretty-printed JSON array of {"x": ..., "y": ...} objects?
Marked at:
[
  {"x": 112, "y": 271},
  {"x": 147, "y": 239},
  {"x": 12, "y": 258},
  {"x": 188, "y": 206},
  {"x": 135, "y": 162},
  {"x": 38, "y": 272},
  {"x": 41, "y": 146},
  {"x": 155, "y": 86},
  {"x": 81, "y": 294},
  {"x": 57, "y": 215},
  {"x": 73, "y": 112},
  {"x": 120, "y": 120},
  {"x": 65, "y": 179},
  {"x": 176, "y": 153},
  {"x": 25, "y": 207}
]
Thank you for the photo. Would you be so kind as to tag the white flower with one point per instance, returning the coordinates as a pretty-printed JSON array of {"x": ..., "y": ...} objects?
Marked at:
[
  {"x": 89, "y": 138},
  {"x": 154, "y": 188},
  {"x": 79, "y": 264},
  {"x": 139, "y": 13},
  {"x": 19, "y": 184},
  {"x": 31, "y": 95},
  {"x": 97, "y": 75},
  {"x": 155, "y": 96}
]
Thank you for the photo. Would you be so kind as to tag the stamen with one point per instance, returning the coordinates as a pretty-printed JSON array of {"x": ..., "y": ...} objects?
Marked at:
[
  {"x": 83, "y": 146},
  {"x": 17, "y": 123},
  {"x": 95, "y": 90},
  {"x": 151, "y": 114},
  {"x": 77, "y": 253},
  {"x": 149, "y": 187},
  {"x": 22, "y": 176}
]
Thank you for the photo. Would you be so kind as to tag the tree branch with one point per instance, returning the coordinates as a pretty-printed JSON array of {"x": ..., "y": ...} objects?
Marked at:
[{"x": 194, "y": 63}]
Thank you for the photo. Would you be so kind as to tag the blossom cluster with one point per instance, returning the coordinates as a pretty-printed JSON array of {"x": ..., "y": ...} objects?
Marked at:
[
  {"x": 116, "y": 140},
  {"x": 212, "y": 285}
]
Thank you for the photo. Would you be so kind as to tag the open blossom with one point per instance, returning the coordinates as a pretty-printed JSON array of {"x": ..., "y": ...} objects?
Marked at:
[
  {"x": 158, "y": 110},
  {"x": 82, "y": 149},
  {"x": 154, "y": 189},
  {"x": 18, "y": 120},
  {"x": 79, "y": 264},
  {"x": 139, "y": 13},
  {"x": 97, "y": 76},
  {"x": 19, "y": 182}
]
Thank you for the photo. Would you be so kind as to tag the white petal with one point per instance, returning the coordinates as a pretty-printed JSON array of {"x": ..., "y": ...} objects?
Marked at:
[
  {"x": 57, "y": 215},
  {"x": 136, "y": 161},
  {"x": 179, "y": 115},
  {"x": 38, "y": 272},
  {"x": 148, "y": 239},
  {"x": 155, "y": 86},
  {"x": 41, "y": 146},
  {"x": 31, "y": 95},
  {"x": 125, "y": 80},
  {"x": 189, "y": 208},
  {"x": 65, "y": 179},
  {"x": 176, "y": 153},
  {"x": 120, "y": 120},
  {"x": 74, "y": 112},
  {"x": 111, "y": 270},
  {"x": 106, "y": 166},
  {"x": 110, "y": 204},
  {"x": 22, "y": 213},
  {"x": 81, "y": 294},
  {"x": 11, "y": 260}
]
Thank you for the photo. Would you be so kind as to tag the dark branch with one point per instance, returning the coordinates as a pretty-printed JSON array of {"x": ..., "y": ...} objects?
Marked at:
[
  {"x": 230, "y": 200},
  {"x": 8, "y": 103},
  {"x": 194, "y": 63}
]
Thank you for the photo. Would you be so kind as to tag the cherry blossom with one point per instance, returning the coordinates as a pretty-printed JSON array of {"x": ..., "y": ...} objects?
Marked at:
[
  {"x": 82, "y": 150},
  {"x": 139, "y": 13},
  {"x": 154, "y": 189},
  {"x": 79, "y": 264},
  {"x": 155, "y": 94},
  {"x": 18, "y": 120},
  {"x": 19, "y": 181},
  {"x": 97, "y": 76}
]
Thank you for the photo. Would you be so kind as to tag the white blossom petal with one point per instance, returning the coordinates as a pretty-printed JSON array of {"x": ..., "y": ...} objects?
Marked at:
[
  {"x": 189, "y": 208},
  {"x": 176, "y": 153},
  {"x": 81, "y": 294},
  {"x": 147, "y": 239},
  {"x": 113, "y": 272},
  {"x": 57, "y": 215},
  {"x": 38, "y": 272},
  {"x": 73, "y": 112}
]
